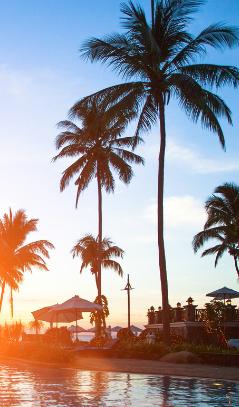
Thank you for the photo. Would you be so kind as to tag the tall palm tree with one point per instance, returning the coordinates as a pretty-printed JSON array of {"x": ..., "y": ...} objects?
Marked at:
[
  {"x": 17, "y": 256},
  {"x": 99, "y": 150},
  {"x": 222, "y": 224},
  {"x": 90, "y": 250},
  {"x": 161, "y": 58}
]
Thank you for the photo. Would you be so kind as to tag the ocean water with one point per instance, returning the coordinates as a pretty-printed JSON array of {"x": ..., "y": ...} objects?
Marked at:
[
  {"x": 87, "y": 336},
  {"x": 47, "y": 387}
]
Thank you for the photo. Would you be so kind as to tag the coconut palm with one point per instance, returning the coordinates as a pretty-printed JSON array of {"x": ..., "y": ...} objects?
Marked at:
[
  {"x": 90, "y": 250},
  {"x": 17, "y": 256},
  {"x": 163, "y": 61},
  {"x": 36, "y": 325},
  {"x": 99, "y": 150},
  {"x": 222, "y": 224}
]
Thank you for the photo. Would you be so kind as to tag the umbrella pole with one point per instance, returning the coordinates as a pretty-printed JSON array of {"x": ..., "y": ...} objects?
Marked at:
[
  {"x": 57, "y": 333},
  {"x": 76, "y": 326}
]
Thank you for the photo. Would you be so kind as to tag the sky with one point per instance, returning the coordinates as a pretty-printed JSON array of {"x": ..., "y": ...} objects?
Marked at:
[{"x": 41, "y": 77}]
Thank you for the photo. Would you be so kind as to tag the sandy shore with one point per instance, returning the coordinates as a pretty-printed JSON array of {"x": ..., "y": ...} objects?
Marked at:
[
  {"x": 137, "y": 366},
  {"x": 158, "y": 368}
]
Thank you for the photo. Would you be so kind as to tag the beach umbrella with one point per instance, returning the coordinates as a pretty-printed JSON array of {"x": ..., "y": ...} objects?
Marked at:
[
  {"x": 116, "y": 328},
  {"x": 54, "y": 313},
  {"x": 224, "y": 293},
  {"x": 69, "y": 311},
  {"x": 72, "y": 309},
  {"x": 42, "y": 313},
  {"x": 72, "y": 329},
  {"x": 135, "y": 329},
  {"x": 77, "y": 303}
]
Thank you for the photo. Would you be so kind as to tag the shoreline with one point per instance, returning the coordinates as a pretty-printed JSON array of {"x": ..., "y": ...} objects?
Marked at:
[{"x": 137, "y": 366}]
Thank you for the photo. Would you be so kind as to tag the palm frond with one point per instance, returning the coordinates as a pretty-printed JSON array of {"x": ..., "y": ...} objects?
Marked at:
[
  {"x": 213, "y": 75},
  {"x": 217, "y": 36},
  {"x": 114, "y": 265}
]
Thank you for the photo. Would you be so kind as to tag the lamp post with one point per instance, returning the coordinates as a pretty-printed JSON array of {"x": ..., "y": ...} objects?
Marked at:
[{"x": 128, "y": 288}]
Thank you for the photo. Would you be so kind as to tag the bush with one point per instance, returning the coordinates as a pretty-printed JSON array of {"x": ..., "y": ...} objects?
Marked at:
[
  {"x": 37, "y": 352},
  {"x": 98, "y": 341},
  {"x": 58, "y": 336},
  {"x": 139, "y": 349},
  {"x": 125, "y": 334}
]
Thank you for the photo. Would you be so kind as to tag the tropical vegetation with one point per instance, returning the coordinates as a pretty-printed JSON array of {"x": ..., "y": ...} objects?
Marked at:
[
  {"x": 90, "y": 249},
  {"x": 16, "y": 255},
  {"x": 36, "y": 325},
  {"x": 99, "y": 151},
  {"x": 222, "y": 224},
  {"x": 161, "y": 60}
]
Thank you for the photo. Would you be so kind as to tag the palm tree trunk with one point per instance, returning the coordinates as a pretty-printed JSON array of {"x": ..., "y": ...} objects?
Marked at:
[
  {"x": 98, "y": 328},
  {"x": 162, "y": 259},
  {"x": 96, "y": 280},
  {"x": 99, "y": 230},
  {"x": 2, "y": 294},
  {"x": 152, "y": 13},
  {"x": 236, "y": 265}
]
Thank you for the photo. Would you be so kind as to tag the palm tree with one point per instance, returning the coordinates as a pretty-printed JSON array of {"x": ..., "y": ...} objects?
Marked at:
[
  {"x": 222, "y": 224},
  {"x": 90, "y": 250},
  {"x": 16, "y": 256},
  {"x": 99, "y": 149},
  {"x": 161, "y": 59},
  {"x": 36, "y": 325}
]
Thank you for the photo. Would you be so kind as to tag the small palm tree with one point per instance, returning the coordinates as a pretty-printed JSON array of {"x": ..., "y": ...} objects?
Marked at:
[
  {"x": 90, "y": 250},
  {"x": 161, "y": 60},
  {"x": 222, "y": 224},
  {"x": 16, "y": 256},
  {"x": 36, "y": 325},
  {"x": 99, "y": 150}
]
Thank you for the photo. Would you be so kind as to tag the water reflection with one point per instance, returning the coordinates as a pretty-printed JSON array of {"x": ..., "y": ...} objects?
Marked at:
[{"x": 42, "y": 387}]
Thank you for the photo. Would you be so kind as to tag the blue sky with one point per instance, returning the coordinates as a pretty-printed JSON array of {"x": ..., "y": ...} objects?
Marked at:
[{"x": 41, "y": 77}]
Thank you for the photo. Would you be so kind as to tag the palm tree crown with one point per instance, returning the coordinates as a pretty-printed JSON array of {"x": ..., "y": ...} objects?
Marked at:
[
  {"x": 222, "y": 224},
  {"x": 97, "y": 146},
  {"x": 16, "y": 256},
  {"x": 91, "y": 250},
  {"x": 160, "y": 60}
]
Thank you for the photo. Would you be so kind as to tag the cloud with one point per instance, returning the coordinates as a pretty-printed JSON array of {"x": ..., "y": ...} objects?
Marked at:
[
  {"x": 179, "y": 211},
  {"x": 197, "y": 163}
]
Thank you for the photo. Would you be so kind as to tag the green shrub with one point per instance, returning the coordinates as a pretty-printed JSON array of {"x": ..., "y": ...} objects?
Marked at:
[
  {"x": 36, "y": 352},
  {"x": 125, "y": 334},
  {"x": 58, "y": 336}
]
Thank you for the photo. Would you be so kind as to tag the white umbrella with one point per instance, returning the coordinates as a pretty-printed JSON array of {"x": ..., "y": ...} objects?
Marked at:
[
  {"x": 135, "y": 329},
  {"x": 72, "y": 329},
  {"x": 69, "y": 311},
  {"x": 224, "y": 293},
  {"x": 77, "y": 305},
  {"x": 54, "y": 313},
  {"x": 116, "y": 328}
]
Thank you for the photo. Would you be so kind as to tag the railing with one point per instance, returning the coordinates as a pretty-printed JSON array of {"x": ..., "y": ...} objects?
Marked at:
[{"x": 189, "y": 313}]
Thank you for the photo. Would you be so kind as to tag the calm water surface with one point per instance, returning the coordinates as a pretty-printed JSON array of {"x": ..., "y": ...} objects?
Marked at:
[{"x": 43, "y": 387}]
